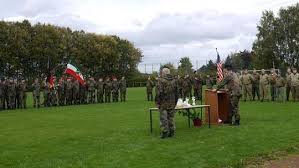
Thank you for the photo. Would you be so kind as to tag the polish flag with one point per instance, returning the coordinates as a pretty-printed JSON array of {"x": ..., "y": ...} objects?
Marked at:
[{"x": 75, "y": 72}]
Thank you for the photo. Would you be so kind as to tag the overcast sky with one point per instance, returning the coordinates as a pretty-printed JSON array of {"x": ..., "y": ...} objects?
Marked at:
[{"x": 164, "y": 30}]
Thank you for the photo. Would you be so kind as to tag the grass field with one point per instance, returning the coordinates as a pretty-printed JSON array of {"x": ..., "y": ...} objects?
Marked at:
[{"x": 117, "y": 135}]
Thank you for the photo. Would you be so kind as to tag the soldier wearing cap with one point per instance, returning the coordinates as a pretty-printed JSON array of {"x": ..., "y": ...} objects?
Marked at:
[
  {"x": 36, "y": 93},
  {"x": 295, "y": 85},
  {"x": 289, "y": 77},
  {"x": 255, "y": 85},
  {"x": 264, "y": 85},
  {"x": 280, "y": 83},
  {"x": 123, "y": 89}
]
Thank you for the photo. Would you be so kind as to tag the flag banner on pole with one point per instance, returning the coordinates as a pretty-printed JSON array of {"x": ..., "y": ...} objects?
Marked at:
[
  {"x": 75, "y": 72},
  {"x": 219, "y": 68}
]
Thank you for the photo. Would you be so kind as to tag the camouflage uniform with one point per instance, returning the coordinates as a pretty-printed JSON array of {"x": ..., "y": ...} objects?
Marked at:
[
  {"x": 61, "y": 92},
  {"x": 100, "y": 91},
  {"x": 295, "y": 86},
  {"x": 280, "y": 83},
  {"x": 180, "y": 86},
  {"x": 47, "y": 94},
  {"x": 288, "y": 84},
  {"x": 166, "y": 99},
  {"x": 91, "y": 90},
  {"x": 115, "y": 90},
  {"x": 69, "y": 92},
  {"x": 76, "y": 89},
  {"x": 23, "y": 94},
  {"x": 83, "y": 91},
  {"x": 18, "y": 97},
  {"x": 36, "y": 94},
  {"x": 108, "y": 87},
  {"x": 255, "y": 86},
  {"x": 149, "y": 89},
  {"x": 123, "y": 89},
  {"x": 187, "y": 87},
  {"x": 246, "y": 80},
  {"x": 209, "y": 83},
  {"x": 264, "y": 86},
  {"x": 11, "y": 94},
  {"x": 197, "y": 86},
  {"x": 232, "y": 84},
  {"x": 272, "y": 82}
]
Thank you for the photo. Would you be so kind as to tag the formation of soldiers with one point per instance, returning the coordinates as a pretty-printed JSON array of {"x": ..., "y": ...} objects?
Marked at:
[
  {"x": 272, "y": 86},
  {"x": 188, "y": 86},
  {"x": 66, "y": 91}
]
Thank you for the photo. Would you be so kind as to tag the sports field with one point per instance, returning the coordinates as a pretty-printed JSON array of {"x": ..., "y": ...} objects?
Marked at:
[{"x": 117, "y": 135}]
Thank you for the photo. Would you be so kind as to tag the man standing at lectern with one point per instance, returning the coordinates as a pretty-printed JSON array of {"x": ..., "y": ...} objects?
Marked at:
[{"x": 231, "y": 82}]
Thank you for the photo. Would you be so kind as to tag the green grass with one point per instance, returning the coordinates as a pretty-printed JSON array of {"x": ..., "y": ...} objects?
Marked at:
[{"x": 117, "y": 135}]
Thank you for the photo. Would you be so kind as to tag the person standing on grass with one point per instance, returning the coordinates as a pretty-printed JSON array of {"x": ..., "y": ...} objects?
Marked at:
[
  {"x": 289, "y": 77},
  {"x": 295, "y": 85},
  {"x": 280, "y": 83},
  {"x": 246, "y": 80},
  {"x": 264, "y": 85},
  {"x": 149, "y": 89},
  {"x": 255, "y": 85},
  {"x": 272, "y": 81},
  {"x": 36, "y": 93},
  {"x": 100, "y": 90},
  {"x": 231, "y": 82},
  {"x": 166, "y": 98},
  {"x": 108, "y": 87},
  {"x": 123, "y": 89}
]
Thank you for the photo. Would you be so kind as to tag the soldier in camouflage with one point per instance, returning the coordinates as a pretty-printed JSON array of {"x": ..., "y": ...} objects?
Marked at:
[
  {"x": 280, "y": 83},
  {"x": 18, "y": 97},
  {"x": 61, "y": 91},
  {"x": 115, "y": 90},
  {"x": 11, "y": 94},
  {"x": 69, "y": 91},
  {"x": 264, "y": 86},
  {"x": 272, "y": 82},
  {"x": 289, "y": 76},
  {"x": 108, "y": 87},
  {"x": 47, "y": 94},
  {"x": 91, "y": 90},
  {"x": 100, "y": 90},
  {"x": 36, "y": 93},
  {"x": 166, "y": 98},
  {"x": 23, "y": 94},
  {"x": 246, "y": 80},
  {"x": 255, "y": 85},
  {"x": 123, "y": 89},
  {"x": 187, "y": 87},
  {"x": 295, "y": 85},
  {"x": 197, "y": 86},
  {"x": 180, "y": 81},
  {"x": 76, "y": 89},
  {"x": 149, "y": 89},
  {"x": 231, "y": 82}
]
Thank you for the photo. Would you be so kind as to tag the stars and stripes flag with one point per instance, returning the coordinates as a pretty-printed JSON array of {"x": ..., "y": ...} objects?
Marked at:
[{"x": 219, "y": 68}]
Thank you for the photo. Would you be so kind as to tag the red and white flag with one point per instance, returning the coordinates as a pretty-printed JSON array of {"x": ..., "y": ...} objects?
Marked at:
[
  {"x": 219, "y": 68},
  {"x": 75, "y": 72}
]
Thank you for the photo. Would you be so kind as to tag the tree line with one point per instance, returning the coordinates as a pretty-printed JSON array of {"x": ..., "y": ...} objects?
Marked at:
[{"x": 29, "y": 51}]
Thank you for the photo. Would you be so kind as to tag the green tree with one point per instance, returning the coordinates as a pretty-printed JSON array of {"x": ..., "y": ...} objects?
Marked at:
[{"x": 185, "y": 66}]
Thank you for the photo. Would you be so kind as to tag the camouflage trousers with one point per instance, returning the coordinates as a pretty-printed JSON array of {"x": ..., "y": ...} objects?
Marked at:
[
  {"x": 91, "y": 96},
  {"x": 123, "y": 95},
  {"x": 100, "y": 95},
  {"x": 167, "y": 120},
  {"x": 115, "y": 96},
  {"x": 108, "y": 97},
  {"x": 295, "y": 93},
  {"x": 149, "y": 96},
  {"x": 234, "y": 101},
  {"x": 255, "y": 91},
  {"x": 264, "y": 91},
  {"x": 280, "y": 94},
  {"x": 36, "y": 100},
  {"x": 273, "y": 92},
  {"x": 288, "y": 91},
  {"x": 247, "y": 91}
]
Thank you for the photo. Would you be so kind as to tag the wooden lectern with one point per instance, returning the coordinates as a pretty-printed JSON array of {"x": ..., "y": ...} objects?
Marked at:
[{"x": 220, "y": 105}]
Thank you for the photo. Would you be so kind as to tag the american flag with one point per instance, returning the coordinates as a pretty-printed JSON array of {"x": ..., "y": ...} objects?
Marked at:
[{"x": 219, "y": 68}]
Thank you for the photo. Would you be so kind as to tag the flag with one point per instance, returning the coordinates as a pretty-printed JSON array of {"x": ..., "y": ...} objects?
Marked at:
[
  {"x": 219, "y": 68},
  {"x": 75, "y": 72}
]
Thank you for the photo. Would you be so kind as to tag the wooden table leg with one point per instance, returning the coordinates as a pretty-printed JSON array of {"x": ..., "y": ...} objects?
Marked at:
[{"x": 188, "y": 111}]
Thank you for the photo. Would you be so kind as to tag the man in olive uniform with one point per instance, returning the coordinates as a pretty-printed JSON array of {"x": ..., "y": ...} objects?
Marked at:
[
  {"x": 123, "y": 89},
  {"x": 76, "y": 89},
  {"x": 197, "y": 86},
  {"x": 11, "y": 94},
  {"x": 264, "y": 86},
  {"x": 61, "y": 91},
  {"x": 115, "y": 90},
  {"x": 23, "y": 94},
  {"x": 255, "y": 85},
  {"x": 149, "y": 89},
  {"x": 47, "y": 94},
  {"x": 209, "y": 82},
  {"x": 187, "y": 87},
  {"x": 180, "y": 81},
  {"x": 289, "y": 76},
  {"x": 100, "y": 90},
  {"x": 17, "y": 98},
  {"x": 231, "y": 82},
  {"x": 83, "y": 91},
  {"x": 246, "y": 80},
  {"x": 166, "y": 99},
  {"x": 69, "y": 91},
  {"x": 91, "y": 90},
  {"x": 295, "y": 85},
  {"x": 280, "y": 83},
  {"x": 36, "y": 93},
  {"x": 108, "y": 87},
  {"x": 5, "y": 95},
  {"x": 272, "y": 82}
]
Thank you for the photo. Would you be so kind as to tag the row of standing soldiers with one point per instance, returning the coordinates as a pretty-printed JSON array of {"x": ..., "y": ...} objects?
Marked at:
[
  {"x": 65, "y": 92},
  {"x": 259, "y": 85},
  {"x": 185, "y": 85}
]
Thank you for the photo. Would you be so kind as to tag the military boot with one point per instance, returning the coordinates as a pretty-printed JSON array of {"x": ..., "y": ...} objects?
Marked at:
[{"x": 164, "y": 135}]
